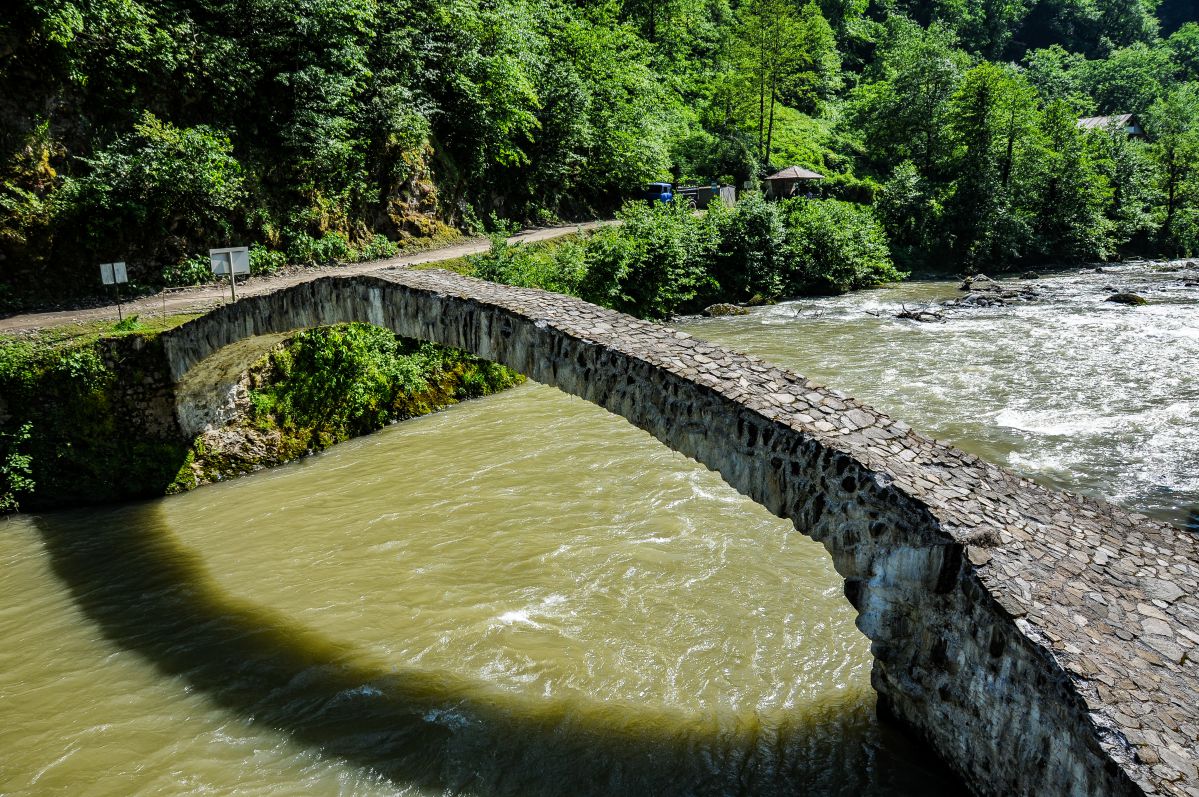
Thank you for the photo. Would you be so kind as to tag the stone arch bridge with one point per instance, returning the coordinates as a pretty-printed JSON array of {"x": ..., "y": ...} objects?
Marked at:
[{"x": 1042, "y": 643}]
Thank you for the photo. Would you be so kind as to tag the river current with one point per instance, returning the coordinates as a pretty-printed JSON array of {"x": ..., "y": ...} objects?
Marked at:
[{"x": 524, "y": 595}]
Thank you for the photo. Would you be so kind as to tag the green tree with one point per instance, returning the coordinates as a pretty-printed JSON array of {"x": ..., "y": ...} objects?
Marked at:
[
  {"x": 910, "y": 209},
  {"x": 155, "y": 193},
  {"x": 1092, "y": 27},
  {"x": 784, "y": 54},
  {"x": 993, "y": 117},
  {"x": 985, "y": 26},
  {"x": 1068, "y": 193},
  {"x": 1129, "y": 80},
  {"x": 1127, "y": 165},
  {"x": 1184, "y": 50},
  {"x": 1057, "y": 74},
  {"x": 904, "y": 112},
  {"x": 833, "y": 247},
  {"x": 1174, "y": 120}
]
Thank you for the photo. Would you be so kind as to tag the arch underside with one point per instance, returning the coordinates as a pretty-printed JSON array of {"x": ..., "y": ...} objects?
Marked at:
[{"x": 969, "y": 582}]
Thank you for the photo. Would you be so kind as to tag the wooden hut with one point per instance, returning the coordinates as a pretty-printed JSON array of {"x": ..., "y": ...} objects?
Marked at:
[{"x": 792, "y": 181}]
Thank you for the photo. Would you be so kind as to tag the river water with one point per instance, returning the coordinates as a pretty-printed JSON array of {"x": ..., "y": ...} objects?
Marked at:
[
  {"x": 1070, "y": 390},
  {"x": 523, "y": 595}
]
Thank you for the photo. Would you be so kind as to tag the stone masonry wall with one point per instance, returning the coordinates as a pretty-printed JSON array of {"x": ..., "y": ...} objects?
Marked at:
[{"x": 1041, "y": 642}]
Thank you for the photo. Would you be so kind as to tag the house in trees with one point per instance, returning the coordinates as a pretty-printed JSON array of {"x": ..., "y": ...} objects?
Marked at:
[
  {"x": 1126, "y": 123},
  {"x": 792, "y": 181}
]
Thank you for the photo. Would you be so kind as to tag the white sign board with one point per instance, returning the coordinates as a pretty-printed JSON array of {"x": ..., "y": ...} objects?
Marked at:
[
  {"x": 235, "y": 260},
  {"x": 112, "y": 273}
]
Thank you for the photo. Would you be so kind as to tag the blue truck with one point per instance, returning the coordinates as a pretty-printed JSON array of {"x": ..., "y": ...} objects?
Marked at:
[{"x": 658, "y": 192}]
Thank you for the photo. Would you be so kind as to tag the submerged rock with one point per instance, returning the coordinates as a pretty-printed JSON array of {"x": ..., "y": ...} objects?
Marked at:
[
  {"x": 1030, "y": 275},
  {"x": 978, "y": 282},
  {"x": 1131, "y": 299},
  {"x": 986, "y": 292},
  {"x": 723, "y": 309}
]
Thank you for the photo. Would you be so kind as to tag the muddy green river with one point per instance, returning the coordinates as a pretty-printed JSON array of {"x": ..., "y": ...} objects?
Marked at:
[{"x": 524, "y": 595}]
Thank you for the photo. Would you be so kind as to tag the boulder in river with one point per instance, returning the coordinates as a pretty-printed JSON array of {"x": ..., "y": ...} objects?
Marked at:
[
  {"x": 978, "y": 282},
  {"x": 1131, "y": 299},
  {"x": 723, "y": 309},
  {"x": 1030, "y": 275}
]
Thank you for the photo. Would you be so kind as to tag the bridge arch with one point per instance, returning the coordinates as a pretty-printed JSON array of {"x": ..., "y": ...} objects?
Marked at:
[{"x": 1006, "y": 620}]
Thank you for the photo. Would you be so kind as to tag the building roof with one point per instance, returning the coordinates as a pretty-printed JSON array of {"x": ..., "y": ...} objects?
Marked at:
[
  {"x": 1106, "y": 122},
  {"x": 795, "y": 173}
]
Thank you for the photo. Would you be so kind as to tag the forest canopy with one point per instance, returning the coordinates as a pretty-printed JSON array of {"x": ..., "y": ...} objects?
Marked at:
[{"x": 334, "y": 129}]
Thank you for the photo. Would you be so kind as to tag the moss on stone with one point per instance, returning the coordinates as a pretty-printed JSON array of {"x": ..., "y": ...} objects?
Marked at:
[{"x": 99, "y": 410}]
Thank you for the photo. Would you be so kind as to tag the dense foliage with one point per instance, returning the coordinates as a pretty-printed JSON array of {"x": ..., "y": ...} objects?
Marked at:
[
  {"x": 663, "y": 259},
  {"x": 323, "y": 130},
  {"x": 330, "y": 384},
  {"x": 74, "y": 425}
]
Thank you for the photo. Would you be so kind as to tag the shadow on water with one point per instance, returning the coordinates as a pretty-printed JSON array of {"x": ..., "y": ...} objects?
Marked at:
[{"x": 150, "y": 594}]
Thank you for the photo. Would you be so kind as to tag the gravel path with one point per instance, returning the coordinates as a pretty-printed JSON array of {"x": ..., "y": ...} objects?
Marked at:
[{"x": 204, "y": 297}]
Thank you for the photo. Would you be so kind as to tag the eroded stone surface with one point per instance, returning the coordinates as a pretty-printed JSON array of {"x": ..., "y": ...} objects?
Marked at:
[{"x": 1042, "y": 642}]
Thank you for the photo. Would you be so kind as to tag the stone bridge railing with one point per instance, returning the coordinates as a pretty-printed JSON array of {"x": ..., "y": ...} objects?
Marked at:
[{"x": 1041, "y": 642}]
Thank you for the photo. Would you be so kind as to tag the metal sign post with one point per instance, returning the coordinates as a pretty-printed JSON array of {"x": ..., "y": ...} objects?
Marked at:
[
  {"x": 114, "y": 274},
  {"x": 230, "y": 262}
]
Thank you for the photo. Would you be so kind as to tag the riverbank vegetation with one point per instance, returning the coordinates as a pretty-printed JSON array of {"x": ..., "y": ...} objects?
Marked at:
[
  {"x": 89, "y": 417},
  {"x": 663, "y": 259},
  {"x": 327, "y": 130}
]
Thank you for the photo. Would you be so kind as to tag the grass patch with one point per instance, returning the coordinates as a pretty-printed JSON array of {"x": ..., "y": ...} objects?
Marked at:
[{"x": 85, "y": 332}]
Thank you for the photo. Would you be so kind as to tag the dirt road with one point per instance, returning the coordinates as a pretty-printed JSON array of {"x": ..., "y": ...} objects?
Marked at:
[{"x": 205, "y": 297}]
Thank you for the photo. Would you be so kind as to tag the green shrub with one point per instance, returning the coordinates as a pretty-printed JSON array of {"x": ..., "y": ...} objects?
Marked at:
[
  {"x": 156, "y": 192},
  {"x": 332, "y": 247},
  {"x": 377, "y": 248},
  {"x": 16, "y": 475},
  {"x": 750, "y": 259},
  {"x": 655, "y": 264},
  {"x": 190, "y": 271},
  {"x": 332, "y": 383},
  {"x": 609, "y": 259},
  {"x": 82, "y": 366},
  {"x": 849, "y": 188},
  {"x": 9, "y": 301},
  {"x": 127, "y": 324},
  {"x": 341, "y": 379},
  {"x": 265, "y": 261},
  {"x": 833, "y": 247},
  {"x": 559, "y": 268}
]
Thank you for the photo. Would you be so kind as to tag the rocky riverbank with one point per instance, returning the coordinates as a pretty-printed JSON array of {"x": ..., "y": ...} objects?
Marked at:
[
  {"x": 1124, "y": 284},
  {"x": 94, "y": 421}
]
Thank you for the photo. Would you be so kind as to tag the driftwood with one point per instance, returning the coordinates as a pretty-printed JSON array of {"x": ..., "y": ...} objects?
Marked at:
[{"x": 924, "y": 316}]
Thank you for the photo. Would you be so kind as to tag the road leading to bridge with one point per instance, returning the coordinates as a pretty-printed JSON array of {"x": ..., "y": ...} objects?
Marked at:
[{"x": 203, "y": 298}]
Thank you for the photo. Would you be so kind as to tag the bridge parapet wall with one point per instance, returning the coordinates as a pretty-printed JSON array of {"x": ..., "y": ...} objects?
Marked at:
[{"x": 1041, "y": 642}]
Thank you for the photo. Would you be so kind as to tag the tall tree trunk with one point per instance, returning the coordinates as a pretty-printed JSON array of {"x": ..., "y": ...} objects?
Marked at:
[
  {"x": 770, "y": 126},
  {"x": 761, "y": 107},
  {"x": 1011, "y": 145},
  {"x": 1172, "y": 171}
]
